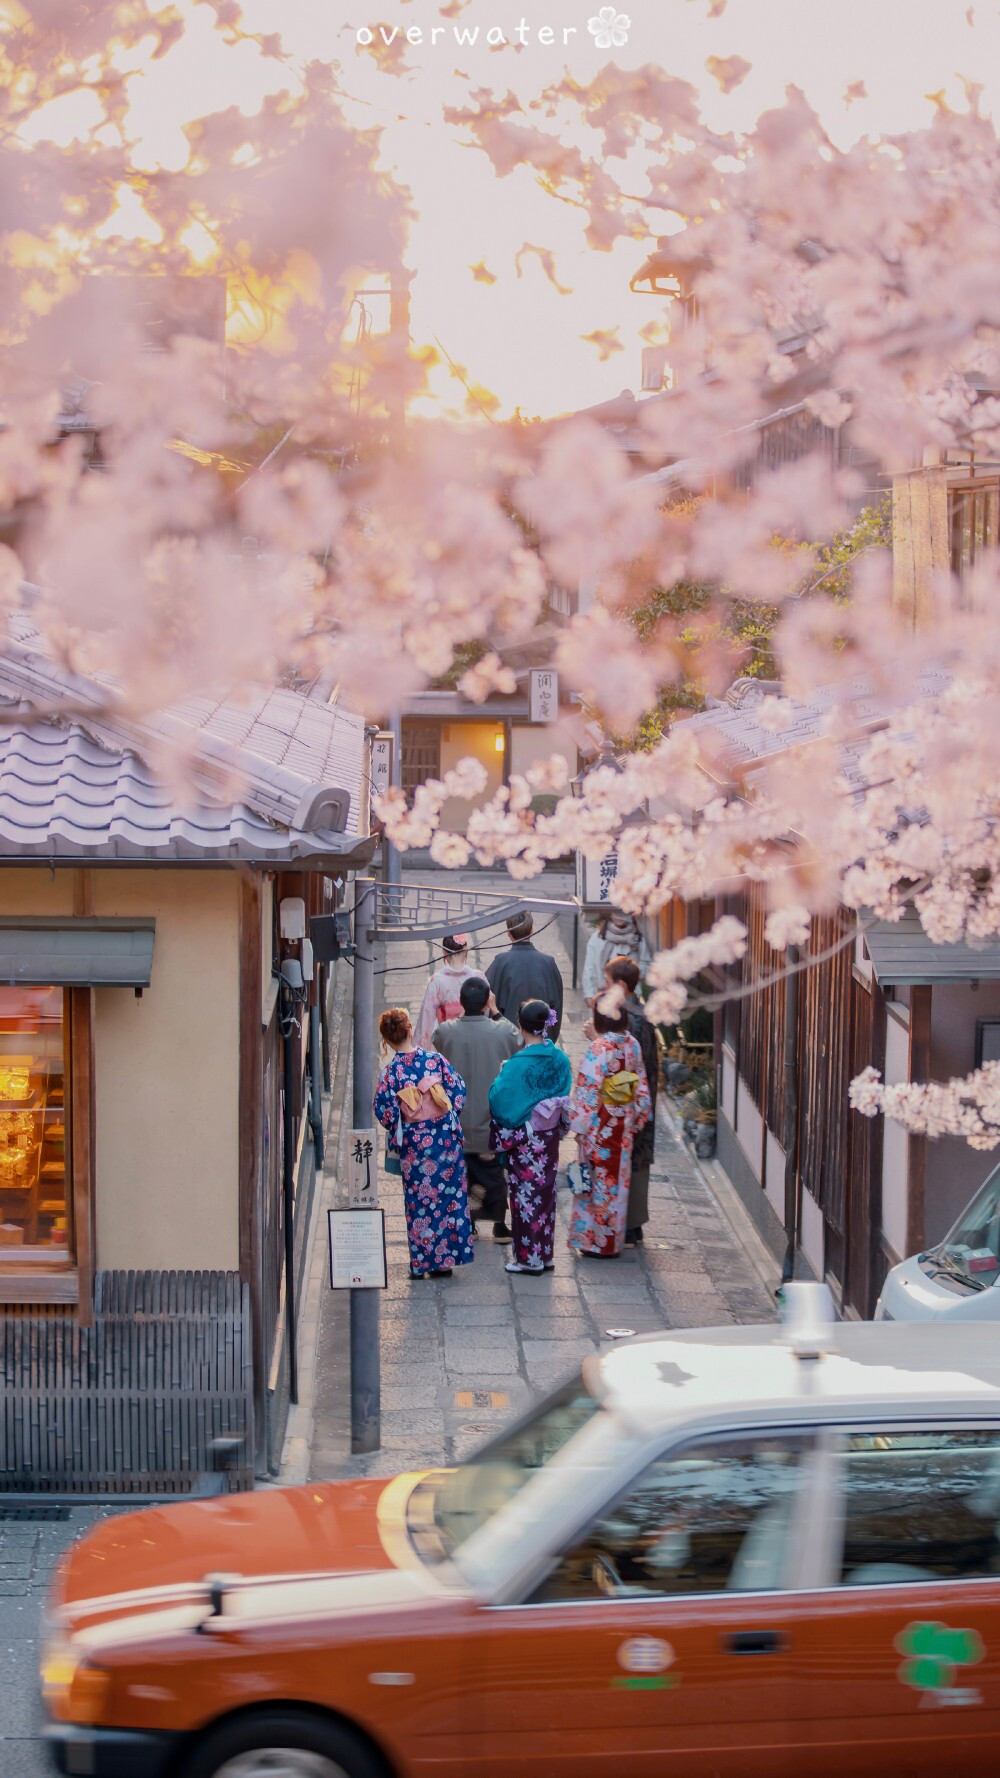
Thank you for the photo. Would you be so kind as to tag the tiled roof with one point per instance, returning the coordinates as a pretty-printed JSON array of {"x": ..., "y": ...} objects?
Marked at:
[
  {"x": 88, "y": 787},
  {"x": 734, "y": 743}
]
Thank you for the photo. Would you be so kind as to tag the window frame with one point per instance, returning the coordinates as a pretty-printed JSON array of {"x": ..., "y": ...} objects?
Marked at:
[
  {"x": 831, "y": 1499},
  {"x": 799, "y": 1541},
  {"x": 68, "y": 1280},
  {"x": 962, "y": 495}
]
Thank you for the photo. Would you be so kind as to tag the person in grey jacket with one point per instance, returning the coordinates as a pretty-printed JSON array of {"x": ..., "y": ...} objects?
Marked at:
[
  {"x": 522, "y": 973},
  {"x": 477, "y": 1045}
]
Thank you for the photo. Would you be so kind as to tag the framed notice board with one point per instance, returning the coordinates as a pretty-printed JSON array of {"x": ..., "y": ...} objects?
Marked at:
[{"x": 357, "y": 1248}]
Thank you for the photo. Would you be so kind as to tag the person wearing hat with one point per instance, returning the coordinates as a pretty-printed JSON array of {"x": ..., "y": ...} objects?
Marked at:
[
  {"x": 443, "y": 993},
  {"x": 522, "y": 973}
]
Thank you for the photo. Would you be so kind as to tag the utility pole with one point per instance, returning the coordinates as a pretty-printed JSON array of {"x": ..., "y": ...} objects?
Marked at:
[
  {"x": 394, "y": 871},
  {"x": 399, "y": 328},
  {"x": 366, "y": 1406}
]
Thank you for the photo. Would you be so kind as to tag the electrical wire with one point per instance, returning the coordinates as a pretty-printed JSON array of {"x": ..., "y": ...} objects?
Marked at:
[{"x": 407, "y": 968}]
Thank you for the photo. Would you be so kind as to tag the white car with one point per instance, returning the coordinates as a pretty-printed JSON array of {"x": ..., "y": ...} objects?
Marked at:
[{"x": 959, "y": 1279}]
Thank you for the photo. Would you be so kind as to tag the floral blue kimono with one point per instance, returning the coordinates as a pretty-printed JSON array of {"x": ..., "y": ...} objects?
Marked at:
[
  {"x": 435, "y": 1189},
  {"x": 529, "y": 1102},
  {"x": 533, "y": 1158}
]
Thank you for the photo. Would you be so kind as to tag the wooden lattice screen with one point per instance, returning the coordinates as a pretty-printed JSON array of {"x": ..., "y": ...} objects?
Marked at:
[{"x": 131, "y": 1403}]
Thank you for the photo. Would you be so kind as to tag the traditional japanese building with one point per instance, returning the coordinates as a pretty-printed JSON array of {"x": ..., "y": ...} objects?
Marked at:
[{"x": 160, "y": 1072}]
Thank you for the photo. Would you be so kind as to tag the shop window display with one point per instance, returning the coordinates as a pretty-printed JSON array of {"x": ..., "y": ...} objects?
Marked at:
[{"x": 34, "y": 1202}]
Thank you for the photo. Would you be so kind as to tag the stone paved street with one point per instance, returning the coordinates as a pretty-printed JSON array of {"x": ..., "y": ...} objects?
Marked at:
[
  {"x": 29, "y": 1551},
  {"x": 460, "y": 1355}
]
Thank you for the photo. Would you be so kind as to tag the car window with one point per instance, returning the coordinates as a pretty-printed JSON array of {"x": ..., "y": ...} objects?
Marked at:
[
  {"x": 710, "y": 1517},
  {"x": 454, "y": 1504},
  {"x": 920, "y": 1506}
]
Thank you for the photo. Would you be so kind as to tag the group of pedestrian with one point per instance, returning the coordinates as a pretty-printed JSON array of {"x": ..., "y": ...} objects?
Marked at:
[{"x": 477, "y": 1096}]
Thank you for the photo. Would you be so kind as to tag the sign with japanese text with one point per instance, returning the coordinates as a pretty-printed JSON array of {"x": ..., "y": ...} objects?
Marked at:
[
  {"x": 544, "y": 701},
  {"x": 357, "y": 1249},
  {"x": 595, "y": 879},
  {"x": 381, "y": 763},
  {"x": 362, "y": 1177}
]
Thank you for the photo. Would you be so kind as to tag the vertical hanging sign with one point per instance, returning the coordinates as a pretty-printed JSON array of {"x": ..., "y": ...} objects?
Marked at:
[
  {"x": 382, "y": 744},
  {"x": 544, "y": 695}
]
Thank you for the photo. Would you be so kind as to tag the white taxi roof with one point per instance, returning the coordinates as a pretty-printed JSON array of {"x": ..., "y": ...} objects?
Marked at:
[{"x": 746, "y": 1372}]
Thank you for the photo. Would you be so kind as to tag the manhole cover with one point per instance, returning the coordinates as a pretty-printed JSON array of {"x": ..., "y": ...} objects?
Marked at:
[
  {"x": 477, "y": 1427},
  {"x": 34, "y": 1514},
  {"x": 481, "y": 1398}
]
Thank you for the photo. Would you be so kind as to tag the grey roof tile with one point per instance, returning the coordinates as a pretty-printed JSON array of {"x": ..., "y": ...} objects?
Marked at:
[{"x": 86, "y": 787}]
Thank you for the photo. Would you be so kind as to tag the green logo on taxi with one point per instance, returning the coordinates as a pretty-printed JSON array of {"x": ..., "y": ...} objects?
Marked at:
[{"x": 934, "y": 1653}]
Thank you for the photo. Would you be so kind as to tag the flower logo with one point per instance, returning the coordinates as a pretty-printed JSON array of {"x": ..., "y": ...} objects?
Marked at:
[
  {"x": 934, "y": 1652},
  {"x": 610, "y": 28}
]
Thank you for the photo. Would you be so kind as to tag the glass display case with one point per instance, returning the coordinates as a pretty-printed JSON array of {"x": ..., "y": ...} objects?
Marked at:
[{"x": 34, "y": 1202}]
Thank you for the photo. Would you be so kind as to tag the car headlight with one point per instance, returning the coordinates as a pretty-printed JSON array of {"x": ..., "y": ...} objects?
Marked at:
[{"x": 73, "y": 1689}]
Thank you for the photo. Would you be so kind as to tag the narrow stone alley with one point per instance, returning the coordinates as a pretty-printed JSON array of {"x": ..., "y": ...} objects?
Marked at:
[{"x": 462, "y": 1355}]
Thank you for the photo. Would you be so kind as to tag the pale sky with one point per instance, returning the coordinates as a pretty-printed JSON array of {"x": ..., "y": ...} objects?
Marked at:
[{"x": 519, "y": 337}]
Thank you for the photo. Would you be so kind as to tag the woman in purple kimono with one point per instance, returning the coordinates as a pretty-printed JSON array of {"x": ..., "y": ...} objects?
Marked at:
[
  {"x": 610, "y": 1104},
  {"x": 418, "y": 1099},
  {"x": 529, "y": 1107}
]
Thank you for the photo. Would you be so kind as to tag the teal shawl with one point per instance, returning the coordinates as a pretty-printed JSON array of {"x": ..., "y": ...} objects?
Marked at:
[{"x": 539, "y": 1071}]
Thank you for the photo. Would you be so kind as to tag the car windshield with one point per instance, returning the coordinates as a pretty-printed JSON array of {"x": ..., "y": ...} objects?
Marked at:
[
  {"x": 972, "y": 1248},
  {"x": 449, "y": 1506}
]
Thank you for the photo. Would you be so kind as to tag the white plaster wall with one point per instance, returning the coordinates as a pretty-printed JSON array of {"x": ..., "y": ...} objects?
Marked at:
[
  {"x": 894, "y": 1141},
  {"x": 812, "y": 1232},
  {"x": 166, "y": 1070},
  {"x": 748, "y": 1128},
  {"x": 729, "y": 1085},
  {"x": 954, "y": 1171},
  {"x": 775, "y": 1177}
]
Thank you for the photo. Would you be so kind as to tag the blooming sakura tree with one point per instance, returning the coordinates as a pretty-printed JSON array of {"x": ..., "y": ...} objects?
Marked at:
[{"x": 382, "y": 548}]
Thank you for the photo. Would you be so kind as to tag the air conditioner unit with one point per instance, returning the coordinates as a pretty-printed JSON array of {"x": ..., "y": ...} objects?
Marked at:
[{"x": 292, "y": 917}]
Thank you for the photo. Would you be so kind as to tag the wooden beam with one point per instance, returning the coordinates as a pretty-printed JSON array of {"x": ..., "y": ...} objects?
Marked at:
[
  {"x": 82, "y": 1142},
  {"x": 920, "y": 1069},
  {"x": 251, "y": 1086}
]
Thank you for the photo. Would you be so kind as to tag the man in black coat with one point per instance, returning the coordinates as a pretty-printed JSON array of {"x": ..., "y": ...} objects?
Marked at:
[{"x": 522, "y": 973}]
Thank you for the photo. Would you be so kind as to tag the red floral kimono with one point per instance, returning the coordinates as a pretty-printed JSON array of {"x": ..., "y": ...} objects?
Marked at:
[{"x": 606, "y": 1134}]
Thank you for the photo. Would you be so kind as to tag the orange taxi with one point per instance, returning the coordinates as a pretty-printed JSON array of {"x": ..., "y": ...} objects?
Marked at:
[{"x": 744, "y": 1551}]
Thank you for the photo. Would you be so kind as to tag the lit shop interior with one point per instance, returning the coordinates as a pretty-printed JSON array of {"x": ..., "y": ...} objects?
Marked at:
[{"x": 33, "y": 1212}]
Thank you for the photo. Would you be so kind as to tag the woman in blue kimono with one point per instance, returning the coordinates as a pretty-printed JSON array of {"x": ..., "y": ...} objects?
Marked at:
[
  {"x": 529, "y": 1105},
  {"x": 418, "y": 1099}
]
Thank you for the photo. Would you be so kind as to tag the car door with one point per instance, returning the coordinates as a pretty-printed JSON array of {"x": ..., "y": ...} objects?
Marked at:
[
  {"x": 903, "y": 1641},
  {"x": 660, "y": 1634}
]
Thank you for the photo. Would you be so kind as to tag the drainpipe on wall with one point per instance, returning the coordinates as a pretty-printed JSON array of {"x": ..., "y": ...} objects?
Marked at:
[
  {"x": 289, "y": 1026},
  {"x": 791, "y": 1132},
  {"x": 315, "y": 1085}
]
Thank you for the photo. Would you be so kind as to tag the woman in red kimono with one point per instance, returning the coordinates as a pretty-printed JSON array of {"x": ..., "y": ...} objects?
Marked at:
[{"x": 610, "y": 1104}]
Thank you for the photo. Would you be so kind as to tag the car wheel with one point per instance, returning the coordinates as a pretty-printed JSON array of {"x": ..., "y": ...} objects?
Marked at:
[{"x": 282, "y": 1744}]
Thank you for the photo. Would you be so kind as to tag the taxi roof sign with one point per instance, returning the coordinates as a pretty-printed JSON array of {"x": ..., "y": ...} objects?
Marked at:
[{"x": 808, "y": 1317}]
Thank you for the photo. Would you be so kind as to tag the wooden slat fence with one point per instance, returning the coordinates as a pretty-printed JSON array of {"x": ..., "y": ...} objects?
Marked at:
[
  {"x": 825, "y": 1069},
  {"x": 132, "y": 1403}
]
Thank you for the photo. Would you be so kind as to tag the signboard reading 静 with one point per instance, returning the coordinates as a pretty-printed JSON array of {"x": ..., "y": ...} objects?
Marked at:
[
  {"x": 544, "y": 702},
  {"x": 357, "y": 1249},
  {"x": 362, "y": 1178}
]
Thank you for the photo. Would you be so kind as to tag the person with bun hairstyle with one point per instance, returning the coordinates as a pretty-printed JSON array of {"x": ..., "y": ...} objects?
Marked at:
[
  {"x": 418, "y": 1100},
  {"x": 610, "y": 1104},
  {"x": 443, "y": 994},
  {"x": 529, "y": 1106}
]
